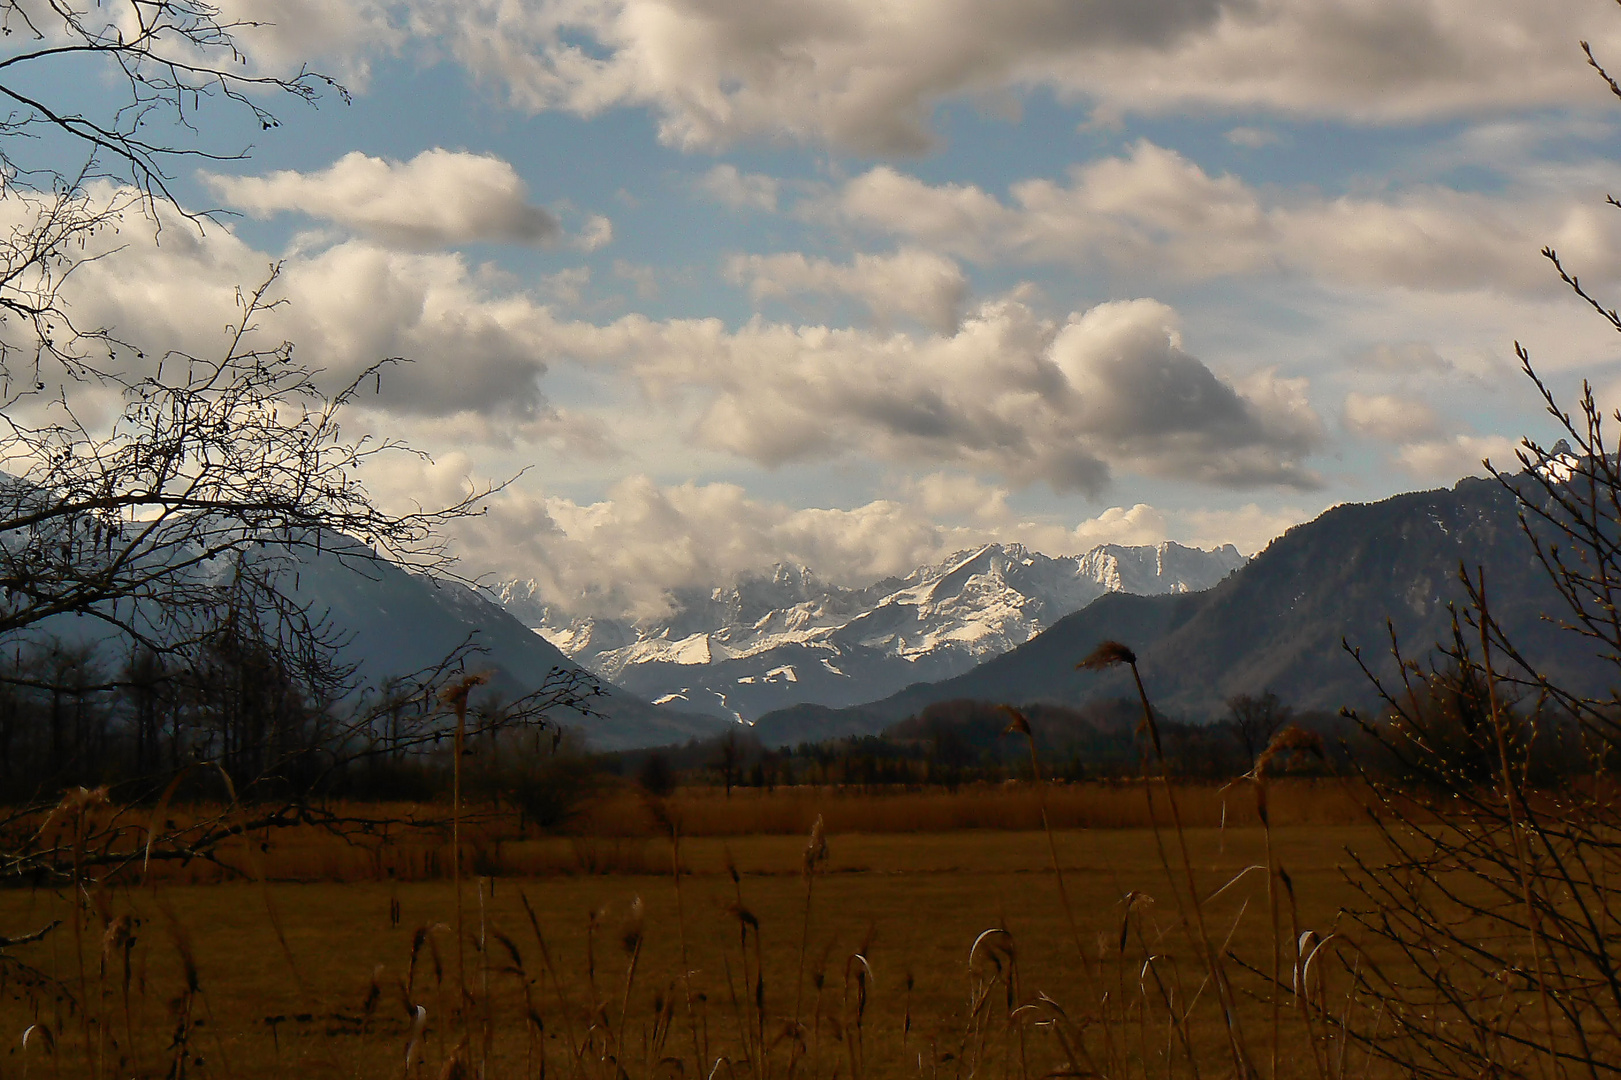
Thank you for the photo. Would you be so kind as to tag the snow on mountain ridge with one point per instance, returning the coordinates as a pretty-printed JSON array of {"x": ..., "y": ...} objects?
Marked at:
[{"x": 970, "y": 606}]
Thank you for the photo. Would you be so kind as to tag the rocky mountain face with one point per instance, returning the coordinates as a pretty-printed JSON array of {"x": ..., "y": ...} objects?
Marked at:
[
  {"x": 786, "y": 637},
  {"x": 1282, "y": 622}
]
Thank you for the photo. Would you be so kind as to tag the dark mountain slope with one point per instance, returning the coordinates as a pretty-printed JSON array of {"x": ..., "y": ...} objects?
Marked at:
[
  {"x": 397, "y": 623},
  {"x": 1041, "y": 669},
  {"x": 1278, "y": 623}
]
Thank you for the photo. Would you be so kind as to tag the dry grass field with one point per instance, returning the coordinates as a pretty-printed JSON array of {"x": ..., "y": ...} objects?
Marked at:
[{"x": 570, "y": 959}]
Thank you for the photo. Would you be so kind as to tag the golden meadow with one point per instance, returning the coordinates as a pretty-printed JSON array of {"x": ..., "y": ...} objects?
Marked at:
[{"x": 818, "y": 933}]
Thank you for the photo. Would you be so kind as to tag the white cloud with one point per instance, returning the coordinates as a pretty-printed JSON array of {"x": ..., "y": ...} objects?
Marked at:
[
  {"x": 956, "y": 495},
  {"x": 1130, "y": 525},
  {"x": 644, "y": 277},
  {"x": 568, "y": 285},
  {"x": 1388, "y": 417},
  {"x": 1250, "y": 528},
  {"x": 282, "y": 36},
  {"x": 1445, "y": 460},
  {"x": 868, "y": 76},
  {"x": 1154, "y": 210},
  {"x": 438, "y": 197},
  {"x": 740, "y": 190},
  {"x": 471, "y": 343},
  {"x": 1008, "y": 394},
  {"x": 623, "y": 554},
  {"x": 597, "y": 234},
  {"x": 912, "y": 282}
]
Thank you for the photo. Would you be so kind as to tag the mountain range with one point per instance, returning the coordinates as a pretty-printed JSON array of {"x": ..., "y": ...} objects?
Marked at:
[
  {"x": 786, "y": 637},
  {"x": 1351, "y": 579}
]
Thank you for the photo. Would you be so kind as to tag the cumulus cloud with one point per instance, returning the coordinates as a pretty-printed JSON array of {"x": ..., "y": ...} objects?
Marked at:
[
  {"x": 867, "y": 76},
  {"x": 282, "y": 36},
  {"x": 1388, "y": 417},
  {"x": 622, "y": 554},
  {"x": 644, "y": 277},
  {"x": 438, "y": 197},
  {"x": 1154, "y": 210},
  {"x": 1250, "y": 528},
  {"x": 1130, "y": 525},
  {"x": 919, "y": 284},
  {"x": 1445, "y": 460},
  {"x": 568, "y": 285},
  {"x": 1009, "y": 394},
  {"x": 472, "y": 345},
  {"x": 740, "y": 190},
  {"x": 956, "y": 495},
  {"x": 597, "y": 234}
]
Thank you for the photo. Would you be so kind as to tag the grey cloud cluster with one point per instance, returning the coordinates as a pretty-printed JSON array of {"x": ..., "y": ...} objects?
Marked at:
[
  {"x": 919, "y": 284},
  {"x": 864, "y": 75},
  {"x": 438, "y": 197},
  {"x": 1009, "y": 394},
  {"x": 867, "y": 75},
  {"x": 282, "y": 36},
  {"x": 1389, "y": 417},
  {"x": 1154, "y": 209},
  {"x": 623, "y": 554},
  {"x": 351, "y": 305}
]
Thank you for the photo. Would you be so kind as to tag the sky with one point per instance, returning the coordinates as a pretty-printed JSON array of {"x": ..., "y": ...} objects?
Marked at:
[{"x": 853, "y": 284}]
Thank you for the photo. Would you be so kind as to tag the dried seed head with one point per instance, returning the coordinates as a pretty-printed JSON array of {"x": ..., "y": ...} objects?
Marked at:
[
  {"x": 455, "y": 694},
  {"x": 1136, "y": 901},
  {"x": 511, "y": 948},
  {"x": 816, "y": 849},
  {"x": 1017, "y": 724},
  {"x": 631, "y": 934},
  {"x": 1108, "y": 654},
  {"x": 419, "y": 1024},
  {"x": 116, "y": 938},
  {"x": 1289, "y": 740},
  {"x": 993, "y": 947},
  {"x": 75, "y": 801}
]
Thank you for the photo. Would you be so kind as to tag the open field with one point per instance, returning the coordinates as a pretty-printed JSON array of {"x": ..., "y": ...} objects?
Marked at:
[
  {"x": 313, "y": 978},
  {"x": 621, "y": 831}
]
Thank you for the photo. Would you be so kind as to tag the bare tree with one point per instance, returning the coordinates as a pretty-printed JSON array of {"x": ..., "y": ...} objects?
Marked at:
[
  {"x": 1255, "y": 719},
  {"x": 1488, "y": 943},
  {"x": 70, "y": 170},
  {"x": 174, "y": 529}
]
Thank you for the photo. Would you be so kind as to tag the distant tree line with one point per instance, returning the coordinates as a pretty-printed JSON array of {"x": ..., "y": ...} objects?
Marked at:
[
  {"x": 242, "y": 719},
  {"x": 954, "y": 743},
  {"x": 959, "y": 742}
]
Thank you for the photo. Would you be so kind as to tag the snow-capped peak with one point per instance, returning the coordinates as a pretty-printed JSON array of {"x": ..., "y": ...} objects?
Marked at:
[{"x": 972, "y": 605}]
